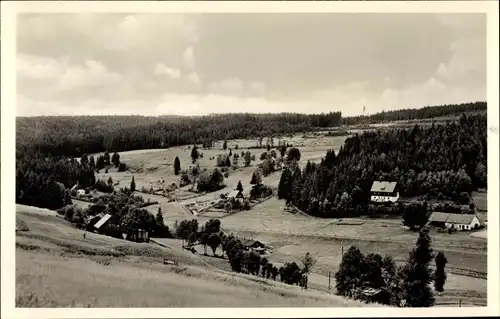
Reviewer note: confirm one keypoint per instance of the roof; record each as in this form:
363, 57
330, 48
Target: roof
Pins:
460, 218
452, 218
102, 221
386, 187
250, 242
438, 217
234, 193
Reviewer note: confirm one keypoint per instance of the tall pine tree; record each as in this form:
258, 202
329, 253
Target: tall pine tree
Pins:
132, 184
177, 165
417, 274
440, 273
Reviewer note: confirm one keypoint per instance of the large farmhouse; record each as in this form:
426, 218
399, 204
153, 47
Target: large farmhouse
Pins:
384, 192
454, 221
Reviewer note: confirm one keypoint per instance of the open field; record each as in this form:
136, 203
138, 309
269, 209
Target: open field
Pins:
56, 267
150, 167
292, 236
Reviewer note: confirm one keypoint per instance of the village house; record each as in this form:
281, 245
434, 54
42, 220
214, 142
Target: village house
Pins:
108, 225
384, 192
455, 221
254, 245
236, 195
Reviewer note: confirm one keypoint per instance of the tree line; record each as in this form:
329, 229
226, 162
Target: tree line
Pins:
73, 136
76, 135
445, 162
417, 114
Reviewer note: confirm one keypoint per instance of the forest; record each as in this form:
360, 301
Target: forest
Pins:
417, 114
445, 162
77, 135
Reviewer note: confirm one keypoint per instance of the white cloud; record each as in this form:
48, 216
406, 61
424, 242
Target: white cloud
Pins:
60, 75
162, 69
188, 58
228, 86
194, 78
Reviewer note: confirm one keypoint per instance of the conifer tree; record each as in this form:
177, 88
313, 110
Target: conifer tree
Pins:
440, 273
132, 184
417, 274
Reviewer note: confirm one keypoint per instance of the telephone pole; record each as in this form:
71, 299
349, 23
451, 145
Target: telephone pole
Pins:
329, 280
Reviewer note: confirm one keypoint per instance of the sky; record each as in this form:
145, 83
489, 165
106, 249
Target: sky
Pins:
194, 64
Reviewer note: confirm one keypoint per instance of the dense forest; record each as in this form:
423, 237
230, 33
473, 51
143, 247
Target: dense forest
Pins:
417, 114
73, 136
450, 159
445, 161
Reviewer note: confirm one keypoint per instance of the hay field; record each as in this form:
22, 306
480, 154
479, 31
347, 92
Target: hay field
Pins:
56, 267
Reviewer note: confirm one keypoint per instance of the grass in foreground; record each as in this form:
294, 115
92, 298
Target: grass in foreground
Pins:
56, 267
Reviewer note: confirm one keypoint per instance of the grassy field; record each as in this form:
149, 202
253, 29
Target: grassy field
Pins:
294, 235
151, 167
57, 267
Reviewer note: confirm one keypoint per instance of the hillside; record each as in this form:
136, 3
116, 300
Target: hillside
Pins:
57, 267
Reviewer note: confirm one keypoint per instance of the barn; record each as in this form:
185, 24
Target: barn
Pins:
438, 219
455, 221
382, 192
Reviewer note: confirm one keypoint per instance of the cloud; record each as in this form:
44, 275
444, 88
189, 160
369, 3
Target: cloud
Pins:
60, 75
259, 62
194, 78
162, 69
188, 58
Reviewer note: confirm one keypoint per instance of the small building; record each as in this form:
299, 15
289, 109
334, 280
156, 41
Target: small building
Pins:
108, 225
237, 195
254, 245
102, 221
80, 193
463, 221
455, 221
140, 235
382, 192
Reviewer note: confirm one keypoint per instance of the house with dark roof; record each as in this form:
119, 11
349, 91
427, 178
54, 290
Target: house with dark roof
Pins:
254, 245
455, 221
382, 192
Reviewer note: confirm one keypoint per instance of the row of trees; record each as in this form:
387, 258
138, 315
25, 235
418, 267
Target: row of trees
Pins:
407, 285
416, 114
441, 161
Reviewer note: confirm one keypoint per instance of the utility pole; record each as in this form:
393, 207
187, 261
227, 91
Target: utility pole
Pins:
460, 302
329, 280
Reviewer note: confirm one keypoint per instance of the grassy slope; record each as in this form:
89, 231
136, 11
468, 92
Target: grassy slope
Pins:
57, 267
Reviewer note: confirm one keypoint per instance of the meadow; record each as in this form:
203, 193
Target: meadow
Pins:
57, 267
290, 236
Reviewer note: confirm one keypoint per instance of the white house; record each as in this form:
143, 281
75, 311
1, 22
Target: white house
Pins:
80, 192
455, 221
384, 192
